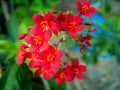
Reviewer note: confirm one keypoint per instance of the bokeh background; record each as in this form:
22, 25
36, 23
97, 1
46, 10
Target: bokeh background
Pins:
102, 59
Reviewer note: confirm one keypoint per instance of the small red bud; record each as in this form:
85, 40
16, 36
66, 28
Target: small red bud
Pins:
23, 46
67, 55
66, 64
90, 36
21, 36
88, 44
81, 50
88, 23
29, 27
92, 29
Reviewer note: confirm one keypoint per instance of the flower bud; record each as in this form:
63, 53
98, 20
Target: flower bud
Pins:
23, 46
92, 29
22, 36
88, 23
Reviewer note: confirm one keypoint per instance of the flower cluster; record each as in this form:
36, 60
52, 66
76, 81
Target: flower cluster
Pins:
45, 54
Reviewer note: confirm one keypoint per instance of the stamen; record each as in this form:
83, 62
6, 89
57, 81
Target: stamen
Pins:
84, 8
37, 40
50, 57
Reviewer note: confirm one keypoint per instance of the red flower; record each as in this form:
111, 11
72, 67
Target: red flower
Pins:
85, 8
45, 72
39, 41
71, 25
34, 59
22, 55
64, 74
78, 69
60, 19
44, 23
51, 57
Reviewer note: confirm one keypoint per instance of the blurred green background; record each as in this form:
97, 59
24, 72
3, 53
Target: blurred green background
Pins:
102, 59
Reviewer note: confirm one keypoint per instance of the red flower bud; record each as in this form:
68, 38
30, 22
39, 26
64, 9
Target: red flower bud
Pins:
29, 27
81, 50
88, 23
23, 46
88, 44
92, 29
22, 36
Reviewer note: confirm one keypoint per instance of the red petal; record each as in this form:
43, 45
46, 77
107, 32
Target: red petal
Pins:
58, 54
48, 16
82, 68
69, 78
46, 75
46, 65
90, 12
36, 30
37, 18
29, 39
33, 63
80, 76
44, 46
78, 19
20, 61
78, 4
38, 72
56, 64
51, 71
79, 28
65, 26
59, 81
69, 17
54, 27
73, 34
34, 49
75, 62
86, 2
47, 35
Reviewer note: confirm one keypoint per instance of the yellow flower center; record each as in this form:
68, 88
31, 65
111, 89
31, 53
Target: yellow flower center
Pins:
21, 54
37, 40
34, 55
76, 70
43, 70
50, 57
72, 26
44, 25
62, 75
85, 8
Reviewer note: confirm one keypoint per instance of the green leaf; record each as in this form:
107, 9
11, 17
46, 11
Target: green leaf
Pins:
22, 29
54, 86
5, 46
7, 80
12, 29
106, 46
107, 6
118, 25
52, 3
105, 26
